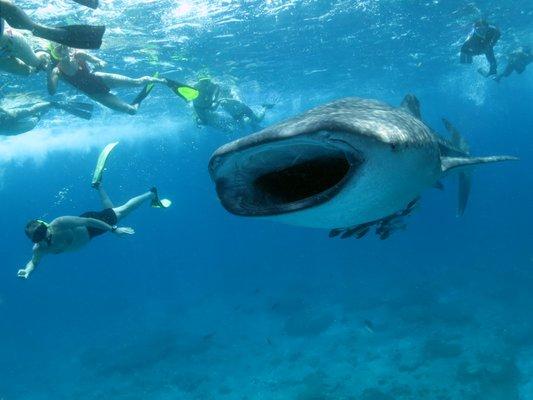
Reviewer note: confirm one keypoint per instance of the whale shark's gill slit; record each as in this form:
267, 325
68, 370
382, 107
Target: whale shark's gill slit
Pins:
303, 179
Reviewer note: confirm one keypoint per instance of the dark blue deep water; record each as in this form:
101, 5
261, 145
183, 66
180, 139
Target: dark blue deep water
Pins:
200, 304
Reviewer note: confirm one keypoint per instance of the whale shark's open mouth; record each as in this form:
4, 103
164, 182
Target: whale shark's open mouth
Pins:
284, 176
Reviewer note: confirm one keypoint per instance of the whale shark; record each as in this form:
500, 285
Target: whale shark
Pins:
349, 166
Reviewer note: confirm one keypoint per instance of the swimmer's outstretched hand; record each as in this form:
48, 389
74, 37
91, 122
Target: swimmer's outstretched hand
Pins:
125, 230
100, 64
23, 273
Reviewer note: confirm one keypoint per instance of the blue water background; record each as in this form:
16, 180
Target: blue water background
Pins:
200, 304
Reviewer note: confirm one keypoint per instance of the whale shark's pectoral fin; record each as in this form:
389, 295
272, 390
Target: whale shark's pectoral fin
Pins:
449, 163
465, 182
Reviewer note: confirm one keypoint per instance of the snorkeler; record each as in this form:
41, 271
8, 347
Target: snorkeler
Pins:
24, 119
70, 233
517, 61
17, 55
72, 66
77, 36
481, 41
210, 99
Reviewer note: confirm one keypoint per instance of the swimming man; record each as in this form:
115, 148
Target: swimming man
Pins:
481, 41
71, 233
517, 61
210, 99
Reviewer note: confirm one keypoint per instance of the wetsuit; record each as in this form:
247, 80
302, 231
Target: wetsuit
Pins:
477, 44
108, 216
84, 80
207, 101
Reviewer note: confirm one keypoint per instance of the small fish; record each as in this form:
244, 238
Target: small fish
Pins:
369, 326
208, 337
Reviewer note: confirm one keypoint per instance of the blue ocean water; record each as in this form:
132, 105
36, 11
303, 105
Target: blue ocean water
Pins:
200, 304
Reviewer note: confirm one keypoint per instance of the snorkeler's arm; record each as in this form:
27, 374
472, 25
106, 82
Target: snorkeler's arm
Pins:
30, 266
76, 222
97, 62
53, 78
495, 36
31, 111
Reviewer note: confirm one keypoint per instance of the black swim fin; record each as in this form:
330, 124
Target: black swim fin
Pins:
76, 36
186, 92
159, 203
80, 110
88, 3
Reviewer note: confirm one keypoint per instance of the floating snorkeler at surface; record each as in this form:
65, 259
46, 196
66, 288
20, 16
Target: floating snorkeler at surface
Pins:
71, 233
17, 55
77, 36
517, 62
220, 110
72, 66
481, 41
23, 119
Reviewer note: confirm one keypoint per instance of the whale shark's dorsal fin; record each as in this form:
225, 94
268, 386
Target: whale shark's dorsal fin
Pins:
411, 104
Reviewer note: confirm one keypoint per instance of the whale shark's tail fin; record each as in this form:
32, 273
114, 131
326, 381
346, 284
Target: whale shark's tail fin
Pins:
465, 174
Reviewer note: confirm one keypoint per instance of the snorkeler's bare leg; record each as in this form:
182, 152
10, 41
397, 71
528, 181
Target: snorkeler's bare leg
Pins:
18, 19
508, 71
125, 209
14, 66
115, 103
116, 80
36, 110
22, 50
492, 61
104, 198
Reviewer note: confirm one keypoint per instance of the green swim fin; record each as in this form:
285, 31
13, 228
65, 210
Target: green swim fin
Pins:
88, 3
80, 110
76, 36
159, 203
186, 92
143, 94
101, 163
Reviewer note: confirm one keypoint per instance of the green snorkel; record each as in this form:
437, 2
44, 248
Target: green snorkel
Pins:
53, 52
